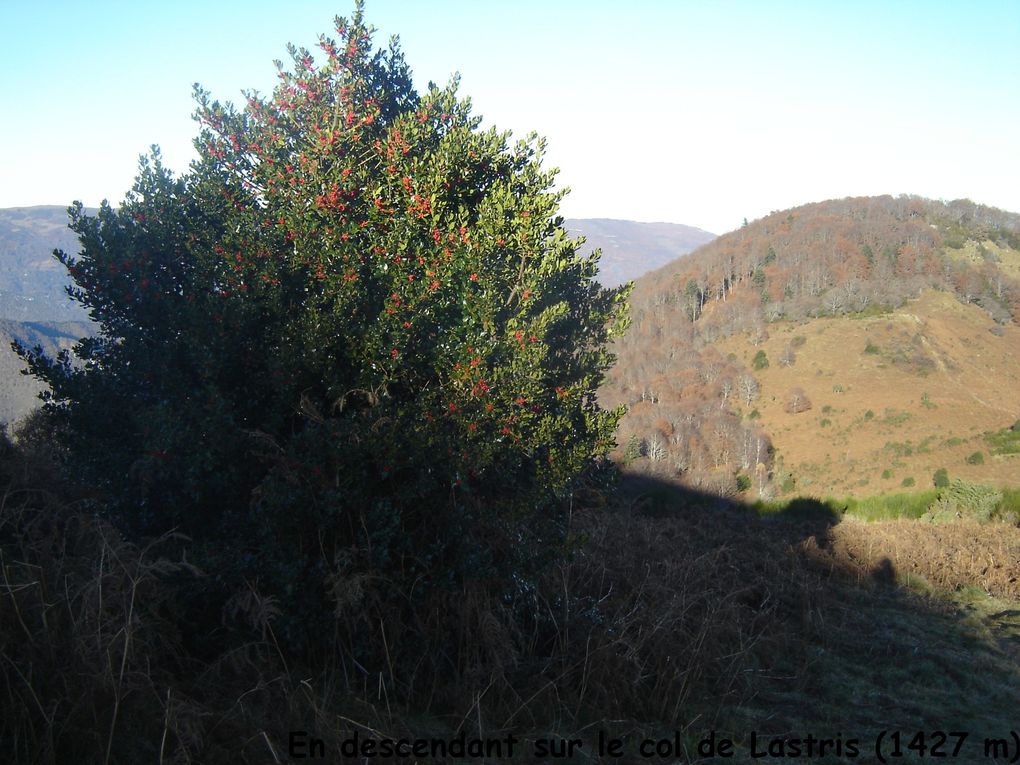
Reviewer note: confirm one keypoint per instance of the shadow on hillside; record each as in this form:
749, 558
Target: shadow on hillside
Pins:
683, 612
846, 643
799, 520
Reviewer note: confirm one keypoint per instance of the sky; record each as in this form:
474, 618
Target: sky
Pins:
701, 113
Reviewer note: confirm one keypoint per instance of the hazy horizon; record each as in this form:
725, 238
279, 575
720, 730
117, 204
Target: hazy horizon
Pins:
678, 112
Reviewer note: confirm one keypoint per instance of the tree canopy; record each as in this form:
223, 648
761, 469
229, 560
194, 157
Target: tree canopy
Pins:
353, 343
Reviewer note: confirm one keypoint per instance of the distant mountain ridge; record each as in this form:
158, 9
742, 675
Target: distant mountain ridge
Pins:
631, 249
34, 307
32, 282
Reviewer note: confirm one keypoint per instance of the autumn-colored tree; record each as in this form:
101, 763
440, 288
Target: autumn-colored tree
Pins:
797, 401
353, 344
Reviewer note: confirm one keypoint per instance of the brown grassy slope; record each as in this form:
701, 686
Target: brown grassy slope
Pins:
938, 380
684, 376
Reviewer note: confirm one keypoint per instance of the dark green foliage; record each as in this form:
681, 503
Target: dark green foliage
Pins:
907, 482
760, 361
633, 450
977, 458
352, 353
887, 474
941, 478
743, 482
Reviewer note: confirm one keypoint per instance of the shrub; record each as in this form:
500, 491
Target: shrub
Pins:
907, 482
887, 474
633, 450
760, 360
1005, 441
977, 458
352, 348
871, 348
743, 482
962, 499
941, 478
869, 415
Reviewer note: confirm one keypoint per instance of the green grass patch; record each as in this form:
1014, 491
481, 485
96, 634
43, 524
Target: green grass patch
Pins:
897, 449
887, 507
894, 418
1005, 441
1010, 503
872, 311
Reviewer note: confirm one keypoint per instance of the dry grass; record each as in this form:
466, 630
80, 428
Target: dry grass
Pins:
948, 556
698, 617
939, 380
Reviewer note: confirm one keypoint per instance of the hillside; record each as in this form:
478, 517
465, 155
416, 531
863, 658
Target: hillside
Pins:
894, 397
852, 346
20, 393
31, 280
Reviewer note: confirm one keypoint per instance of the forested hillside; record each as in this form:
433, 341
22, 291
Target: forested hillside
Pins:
692, 398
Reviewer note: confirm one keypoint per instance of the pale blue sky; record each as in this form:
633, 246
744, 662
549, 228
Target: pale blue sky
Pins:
692, 112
